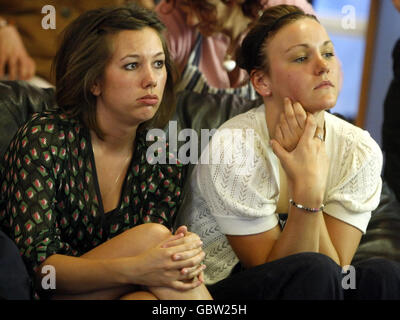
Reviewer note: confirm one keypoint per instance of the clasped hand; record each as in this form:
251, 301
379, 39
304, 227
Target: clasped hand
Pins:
176, 262
301, 153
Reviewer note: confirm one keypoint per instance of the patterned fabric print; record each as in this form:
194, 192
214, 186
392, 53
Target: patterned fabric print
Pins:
49, 195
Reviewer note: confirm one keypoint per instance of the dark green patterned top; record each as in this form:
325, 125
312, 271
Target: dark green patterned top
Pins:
51, 196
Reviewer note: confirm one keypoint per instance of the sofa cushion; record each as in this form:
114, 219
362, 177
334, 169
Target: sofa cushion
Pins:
18, 101
382, 238
208, 111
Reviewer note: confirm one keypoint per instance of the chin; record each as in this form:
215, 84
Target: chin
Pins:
323, 104
147, 113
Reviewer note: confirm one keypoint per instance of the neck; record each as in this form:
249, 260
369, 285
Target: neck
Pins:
236, 25
118, 137
274, 110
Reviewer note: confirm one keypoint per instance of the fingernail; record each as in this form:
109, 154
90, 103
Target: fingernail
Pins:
177, 257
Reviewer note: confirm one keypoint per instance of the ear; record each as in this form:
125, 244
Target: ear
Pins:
95, 89
261, 82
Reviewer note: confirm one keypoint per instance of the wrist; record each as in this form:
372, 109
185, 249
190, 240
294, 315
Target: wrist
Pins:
305, 208
117, 270
308, 197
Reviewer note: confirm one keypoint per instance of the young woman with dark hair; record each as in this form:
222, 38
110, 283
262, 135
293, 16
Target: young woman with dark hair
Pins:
79, 194
281, 219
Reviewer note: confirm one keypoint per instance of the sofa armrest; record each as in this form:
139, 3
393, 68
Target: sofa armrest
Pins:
19, 101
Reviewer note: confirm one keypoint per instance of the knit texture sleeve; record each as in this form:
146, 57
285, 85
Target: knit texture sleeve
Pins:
239, 185
355, 185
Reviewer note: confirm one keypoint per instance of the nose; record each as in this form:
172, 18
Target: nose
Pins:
149, 80
321, 66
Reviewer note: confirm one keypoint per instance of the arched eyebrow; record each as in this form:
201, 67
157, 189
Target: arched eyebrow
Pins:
305, 45
161, 53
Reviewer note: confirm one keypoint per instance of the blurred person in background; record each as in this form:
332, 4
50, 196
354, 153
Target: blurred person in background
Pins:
26, 48
204, 35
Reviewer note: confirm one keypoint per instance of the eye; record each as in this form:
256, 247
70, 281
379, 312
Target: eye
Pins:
328, 55
300, 59
131, 66
159, 64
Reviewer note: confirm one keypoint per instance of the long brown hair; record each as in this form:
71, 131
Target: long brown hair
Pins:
84, 53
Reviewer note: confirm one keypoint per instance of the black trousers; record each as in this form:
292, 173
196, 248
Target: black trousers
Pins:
311, 276
15, 283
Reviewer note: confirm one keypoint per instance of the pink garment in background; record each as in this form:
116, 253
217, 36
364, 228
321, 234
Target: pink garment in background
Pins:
181, 39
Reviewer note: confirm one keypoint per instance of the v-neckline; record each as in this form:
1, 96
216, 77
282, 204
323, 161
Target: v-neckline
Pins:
96, 180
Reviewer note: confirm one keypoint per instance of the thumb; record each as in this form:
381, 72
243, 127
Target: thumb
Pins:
168, 242
181, 229
279, 151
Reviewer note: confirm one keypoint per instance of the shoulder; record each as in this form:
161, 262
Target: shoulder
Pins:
354, 182
253, 118
351, 141
237, 173
50, 122
44, 132
246, 132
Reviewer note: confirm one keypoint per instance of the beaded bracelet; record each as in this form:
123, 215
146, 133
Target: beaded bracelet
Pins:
299, 206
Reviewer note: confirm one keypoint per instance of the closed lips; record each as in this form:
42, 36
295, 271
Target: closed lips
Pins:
149, 99
323, 84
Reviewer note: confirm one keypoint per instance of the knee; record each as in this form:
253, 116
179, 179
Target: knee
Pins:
139, 295
324, 277
321, 270
155, 232
320, 264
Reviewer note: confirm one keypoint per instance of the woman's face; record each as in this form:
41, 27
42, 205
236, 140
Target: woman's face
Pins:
133, 82
206, 21
303, 65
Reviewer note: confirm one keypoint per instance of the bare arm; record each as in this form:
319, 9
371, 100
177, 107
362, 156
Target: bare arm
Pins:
316, 232
154, 266
338, 240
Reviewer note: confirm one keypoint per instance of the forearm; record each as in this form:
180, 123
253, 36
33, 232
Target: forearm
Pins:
78, 275
325, 243
304, 232
301, 234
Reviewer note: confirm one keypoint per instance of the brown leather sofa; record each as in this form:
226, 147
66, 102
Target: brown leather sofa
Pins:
18, 100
